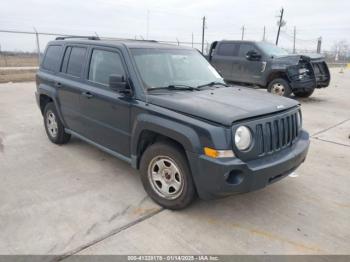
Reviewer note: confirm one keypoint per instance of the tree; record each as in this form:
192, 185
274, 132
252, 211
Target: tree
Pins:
341, 50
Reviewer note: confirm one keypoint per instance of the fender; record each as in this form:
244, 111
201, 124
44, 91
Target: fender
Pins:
44, 89
276, 71
181, 133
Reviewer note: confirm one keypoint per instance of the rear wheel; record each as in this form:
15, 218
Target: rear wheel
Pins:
279, 86
53, 125
303, 92
166, 176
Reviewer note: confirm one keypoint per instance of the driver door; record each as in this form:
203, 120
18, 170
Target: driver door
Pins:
250, 71
105, 112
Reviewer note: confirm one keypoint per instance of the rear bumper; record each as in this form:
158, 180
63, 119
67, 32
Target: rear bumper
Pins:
222, 177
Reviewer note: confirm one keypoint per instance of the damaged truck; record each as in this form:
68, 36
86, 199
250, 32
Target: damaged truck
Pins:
267, 66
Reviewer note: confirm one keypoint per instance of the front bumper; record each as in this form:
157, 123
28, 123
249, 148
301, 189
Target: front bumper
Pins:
222, 177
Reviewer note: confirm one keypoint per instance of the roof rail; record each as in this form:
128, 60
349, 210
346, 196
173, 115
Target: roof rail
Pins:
72, 37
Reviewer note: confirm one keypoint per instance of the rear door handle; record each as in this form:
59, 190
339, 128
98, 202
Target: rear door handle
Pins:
88, 95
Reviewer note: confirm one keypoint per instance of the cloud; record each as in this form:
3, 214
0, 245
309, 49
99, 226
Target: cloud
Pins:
176, 19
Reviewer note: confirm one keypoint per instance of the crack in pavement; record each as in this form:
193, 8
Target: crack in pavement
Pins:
108, 235
329, 128
328, 141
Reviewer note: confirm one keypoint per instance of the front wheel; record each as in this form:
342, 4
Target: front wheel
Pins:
166, 176
303, 93
280, 87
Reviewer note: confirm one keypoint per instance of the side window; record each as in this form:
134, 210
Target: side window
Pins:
228, 49
245, 48
52, 58
73, 61
65, 59
103, 64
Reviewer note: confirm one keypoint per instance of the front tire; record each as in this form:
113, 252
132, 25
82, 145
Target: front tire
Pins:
166, 176
53, 125
279, 86
303, 93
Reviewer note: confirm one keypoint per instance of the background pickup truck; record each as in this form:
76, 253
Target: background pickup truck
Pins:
268, 66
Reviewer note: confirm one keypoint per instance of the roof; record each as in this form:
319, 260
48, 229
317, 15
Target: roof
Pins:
118, 42
238, 41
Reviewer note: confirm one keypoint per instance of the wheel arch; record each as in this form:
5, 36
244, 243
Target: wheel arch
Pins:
49, 94
150, 129
277, 74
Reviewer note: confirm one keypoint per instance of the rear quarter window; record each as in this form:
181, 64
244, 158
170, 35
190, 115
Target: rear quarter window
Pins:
52, 58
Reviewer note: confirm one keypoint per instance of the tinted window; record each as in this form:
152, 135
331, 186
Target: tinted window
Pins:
76, 61
164, 67
52, 58
228, 49
245, 48
65, 59
103, 64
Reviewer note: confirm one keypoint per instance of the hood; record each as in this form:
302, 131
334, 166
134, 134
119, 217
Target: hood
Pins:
294, 59
223, 105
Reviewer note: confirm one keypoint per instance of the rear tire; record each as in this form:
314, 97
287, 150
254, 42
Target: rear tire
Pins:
303, 93
166, 176
53, 125
279, 86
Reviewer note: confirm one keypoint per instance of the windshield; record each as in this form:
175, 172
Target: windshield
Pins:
172, 67
271, 49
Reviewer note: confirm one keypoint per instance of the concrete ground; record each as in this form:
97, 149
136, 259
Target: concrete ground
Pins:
75, 199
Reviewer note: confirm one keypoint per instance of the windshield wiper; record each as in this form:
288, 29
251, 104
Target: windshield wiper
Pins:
173, 87
213, 84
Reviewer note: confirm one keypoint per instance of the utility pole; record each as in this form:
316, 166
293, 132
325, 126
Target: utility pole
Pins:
192, 39
147, 32
243, 28
264, 34
203, 29
279, 25
294, 37
37, 44
319, 44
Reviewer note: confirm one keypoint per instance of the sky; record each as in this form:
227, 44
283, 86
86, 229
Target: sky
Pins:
176, 20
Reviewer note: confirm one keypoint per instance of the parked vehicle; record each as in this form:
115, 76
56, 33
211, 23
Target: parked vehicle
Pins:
268, 66
166, 111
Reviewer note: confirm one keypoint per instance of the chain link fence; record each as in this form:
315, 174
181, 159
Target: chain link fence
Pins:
35, 43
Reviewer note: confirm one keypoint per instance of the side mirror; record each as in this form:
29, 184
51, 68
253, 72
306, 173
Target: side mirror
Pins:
253, 56
118, 83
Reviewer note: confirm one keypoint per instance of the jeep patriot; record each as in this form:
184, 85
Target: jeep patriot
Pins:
166, 111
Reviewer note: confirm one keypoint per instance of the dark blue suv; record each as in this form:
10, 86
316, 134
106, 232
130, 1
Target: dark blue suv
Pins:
166, 111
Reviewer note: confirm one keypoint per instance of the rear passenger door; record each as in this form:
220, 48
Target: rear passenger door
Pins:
224, 60
105, 112
69, 84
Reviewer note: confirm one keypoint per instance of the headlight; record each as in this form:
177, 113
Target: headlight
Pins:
243, 138
302, 71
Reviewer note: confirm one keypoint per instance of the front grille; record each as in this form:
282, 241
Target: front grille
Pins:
271, 134
274, 135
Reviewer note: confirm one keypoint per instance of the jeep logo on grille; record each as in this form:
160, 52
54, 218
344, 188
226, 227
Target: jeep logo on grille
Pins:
280, 106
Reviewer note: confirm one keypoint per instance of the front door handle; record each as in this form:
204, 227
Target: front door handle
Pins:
58, 84
88, 95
